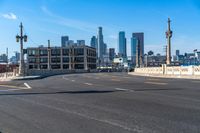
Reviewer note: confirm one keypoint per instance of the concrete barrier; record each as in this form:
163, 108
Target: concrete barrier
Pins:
55, 72
7, 76
170, 70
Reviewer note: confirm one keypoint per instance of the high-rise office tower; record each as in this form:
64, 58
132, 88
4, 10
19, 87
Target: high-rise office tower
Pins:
64, 41
111, 53
100, 42
122, 44
80, 42
104, 49
134, 43
93, 42
177, 52
139, 48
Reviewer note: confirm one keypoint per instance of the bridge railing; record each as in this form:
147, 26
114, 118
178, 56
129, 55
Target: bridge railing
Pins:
8, 75
170, 70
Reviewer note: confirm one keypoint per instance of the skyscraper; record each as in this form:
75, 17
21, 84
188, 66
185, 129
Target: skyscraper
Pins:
93, 42
80, 42
111, 53
177, 52
134, 43
139, 48
104, 49
100, 46
64, 41
122, 44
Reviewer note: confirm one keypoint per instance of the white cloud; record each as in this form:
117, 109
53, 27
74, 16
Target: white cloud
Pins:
73, 23
10, 16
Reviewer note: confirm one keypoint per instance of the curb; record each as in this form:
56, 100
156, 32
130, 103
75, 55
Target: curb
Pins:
27, 78
166, 76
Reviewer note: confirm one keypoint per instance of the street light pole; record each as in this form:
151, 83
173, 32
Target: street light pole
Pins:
21, 38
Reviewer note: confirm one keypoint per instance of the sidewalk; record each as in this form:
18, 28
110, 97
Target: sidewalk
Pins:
20, 78
166, 76
27, 78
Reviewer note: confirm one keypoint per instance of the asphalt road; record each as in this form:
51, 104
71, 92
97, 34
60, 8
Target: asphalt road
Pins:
100, 103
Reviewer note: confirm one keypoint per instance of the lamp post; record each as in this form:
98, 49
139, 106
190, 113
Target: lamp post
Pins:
169, 36
21, 38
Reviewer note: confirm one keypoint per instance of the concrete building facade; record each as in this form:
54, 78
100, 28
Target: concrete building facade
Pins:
61, 58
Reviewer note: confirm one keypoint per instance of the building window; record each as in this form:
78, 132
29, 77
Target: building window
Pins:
66, 59
78, 51
43, 66
79, 59
65, 66
43, 60
30, 66
79, 66
91, 60
32, 52
32, 60
43, 52
33, 66
92, 66
55, 60
55, 52
66, 52
55, 66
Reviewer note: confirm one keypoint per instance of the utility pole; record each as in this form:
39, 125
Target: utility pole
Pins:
21, 38
169, 36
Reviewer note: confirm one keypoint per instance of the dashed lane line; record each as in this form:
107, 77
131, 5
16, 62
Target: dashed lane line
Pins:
156, 83
88, 84
115, 80
120, 89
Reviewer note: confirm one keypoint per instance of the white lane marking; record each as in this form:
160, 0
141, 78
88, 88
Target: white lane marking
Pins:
153, 79
127, 77
115, 80
15, 88
86, 116
28, 86
88, 84
65, 78
156, 83
120, 89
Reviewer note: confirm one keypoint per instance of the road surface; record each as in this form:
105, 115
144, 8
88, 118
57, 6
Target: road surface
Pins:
100, 103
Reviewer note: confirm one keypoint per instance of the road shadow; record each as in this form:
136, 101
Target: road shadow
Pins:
60, 92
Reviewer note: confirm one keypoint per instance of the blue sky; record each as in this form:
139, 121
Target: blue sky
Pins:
49, 19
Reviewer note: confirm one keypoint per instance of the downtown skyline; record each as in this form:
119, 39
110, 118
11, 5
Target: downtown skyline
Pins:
51, 22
